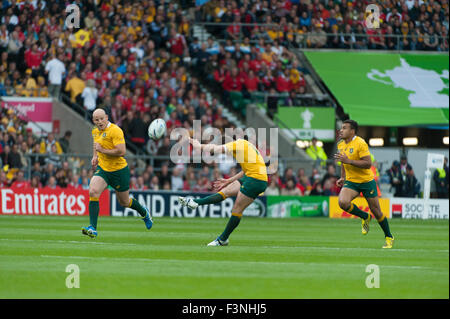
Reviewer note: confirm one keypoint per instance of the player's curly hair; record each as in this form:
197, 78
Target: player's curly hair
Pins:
353, 125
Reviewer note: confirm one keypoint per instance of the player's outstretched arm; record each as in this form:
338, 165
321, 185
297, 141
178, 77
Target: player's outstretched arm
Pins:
209, 148
221, 183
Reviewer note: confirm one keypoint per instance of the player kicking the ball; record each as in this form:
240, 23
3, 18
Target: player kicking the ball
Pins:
247, 185
112, 169
356, 178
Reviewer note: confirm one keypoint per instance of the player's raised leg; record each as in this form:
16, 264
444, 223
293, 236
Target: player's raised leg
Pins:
374, 205
125, 200
346, 196
228, 191
241, 203
96, 188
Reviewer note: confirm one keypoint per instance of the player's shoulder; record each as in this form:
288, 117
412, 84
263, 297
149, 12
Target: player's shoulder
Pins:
360, 140
95, 131
340, 143
115, 127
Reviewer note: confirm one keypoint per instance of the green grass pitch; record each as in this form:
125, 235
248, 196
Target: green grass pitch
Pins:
267, 258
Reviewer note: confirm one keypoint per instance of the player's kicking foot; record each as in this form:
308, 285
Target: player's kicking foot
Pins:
89, 231
189, 202
148, 219
389, 242
218, 242
365, 224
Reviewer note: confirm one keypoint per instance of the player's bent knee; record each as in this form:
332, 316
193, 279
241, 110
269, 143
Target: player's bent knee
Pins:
345, 205
124, 203
95, 193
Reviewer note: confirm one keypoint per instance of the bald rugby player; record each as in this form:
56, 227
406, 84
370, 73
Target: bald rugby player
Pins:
111, 169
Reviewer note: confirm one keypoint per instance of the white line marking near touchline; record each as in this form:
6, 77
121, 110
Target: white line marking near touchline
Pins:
67, 241
165, 261
354, 248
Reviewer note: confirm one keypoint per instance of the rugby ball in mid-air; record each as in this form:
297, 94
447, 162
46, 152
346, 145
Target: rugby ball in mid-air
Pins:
157, 129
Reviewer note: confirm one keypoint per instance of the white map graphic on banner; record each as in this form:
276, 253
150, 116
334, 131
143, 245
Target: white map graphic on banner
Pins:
424, 85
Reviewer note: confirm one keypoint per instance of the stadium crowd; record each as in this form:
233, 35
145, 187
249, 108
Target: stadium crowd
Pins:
420, 25
135, 59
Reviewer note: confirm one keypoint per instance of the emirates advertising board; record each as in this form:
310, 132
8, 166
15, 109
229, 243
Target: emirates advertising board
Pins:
47, 201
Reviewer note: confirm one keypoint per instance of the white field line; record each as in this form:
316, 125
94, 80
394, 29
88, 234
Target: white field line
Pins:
165, 261
93, 242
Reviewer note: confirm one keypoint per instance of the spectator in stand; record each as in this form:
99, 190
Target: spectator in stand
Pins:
4, 182
176, 180
316, 153
288, 175
431, 40
55, 69
14, 160
74, 182
317, 38
53, 157
411, 185
33, 57
61, 180
138, 130
314, 176
441, 180
232, 81
64, 142
35, 155
190, 180
35, 182
19, 181
41, 89
89, 96
46, 144
75, 86
396, 179
330, 174
23, 151
317, 189
52, 184
85, 183
164, 175
290, 189
404, 164
272, 189
154, 183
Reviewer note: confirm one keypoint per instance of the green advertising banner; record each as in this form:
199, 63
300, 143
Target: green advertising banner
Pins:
308, 122
297, 206
380, 89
